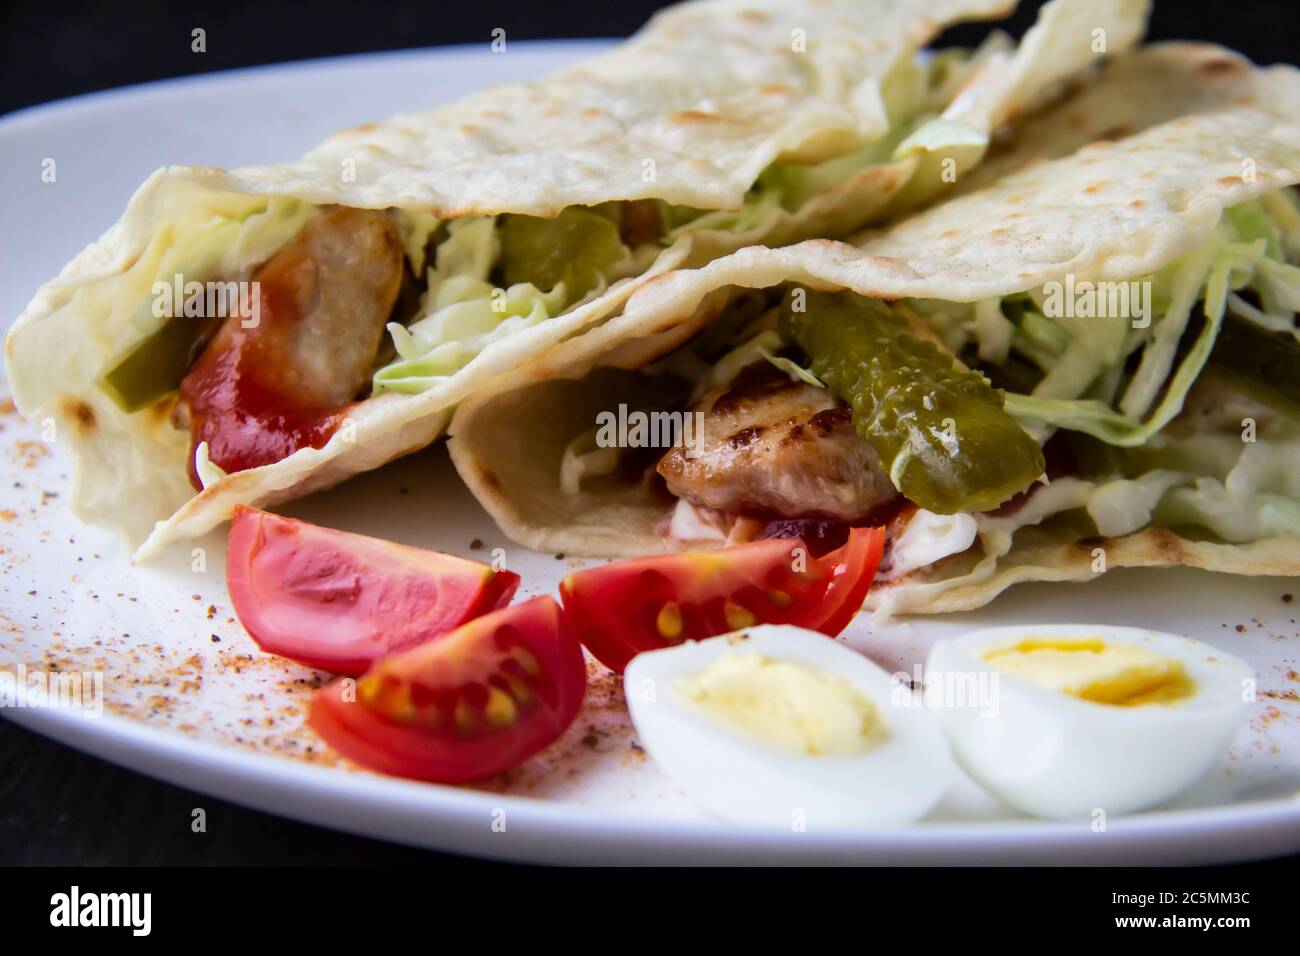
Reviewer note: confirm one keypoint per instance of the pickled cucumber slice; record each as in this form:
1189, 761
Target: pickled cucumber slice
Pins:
155, 367
939, 429
578, 247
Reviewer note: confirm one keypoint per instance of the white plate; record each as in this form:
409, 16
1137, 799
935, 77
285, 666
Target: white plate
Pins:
224, 719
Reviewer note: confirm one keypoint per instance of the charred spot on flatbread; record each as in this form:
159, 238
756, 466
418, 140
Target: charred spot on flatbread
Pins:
81, 415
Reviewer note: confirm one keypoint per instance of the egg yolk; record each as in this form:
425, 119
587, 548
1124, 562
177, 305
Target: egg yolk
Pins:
784, 704
1122, 675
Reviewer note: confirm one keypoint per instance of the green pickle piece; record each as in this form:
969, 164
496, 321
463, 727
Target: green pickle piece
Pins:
940, 430
578, 247
155, 367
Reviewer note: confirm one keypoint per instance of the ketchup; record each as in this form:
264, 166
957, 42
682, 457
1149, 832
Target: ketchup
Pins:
242, 399
823, 535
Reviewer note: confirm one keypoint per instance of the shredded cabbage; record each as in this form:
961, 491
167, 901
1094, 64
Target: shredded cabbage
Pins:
414, 228
209, 472
764, 345
1198, 473
993, 331
260, 235
1256, 495
583, 458
1208, 504
792, 368
1284, 209
912, 92
760, 211
1080, 360
463, 311
1125, 427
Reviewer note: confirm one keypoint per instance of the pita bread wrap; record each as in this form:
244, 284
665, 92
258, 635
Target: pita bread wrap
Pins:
642, 160
1170, 427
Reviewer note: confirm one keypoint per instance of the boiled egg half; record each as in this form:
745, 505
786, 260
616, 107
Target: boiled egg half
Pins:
785, 727
1067, 720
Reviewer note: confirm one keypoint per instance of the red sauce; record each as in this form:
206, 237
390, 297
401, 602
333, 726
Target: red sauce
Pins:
241, 396
823, 535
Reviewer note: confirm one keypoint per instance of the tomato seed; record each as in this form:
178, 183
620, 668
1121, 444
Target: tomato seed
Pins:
669, 621
738, 617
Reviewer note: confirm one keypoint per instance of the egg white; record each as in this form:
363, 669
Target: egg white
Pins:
1054, 755
897, 781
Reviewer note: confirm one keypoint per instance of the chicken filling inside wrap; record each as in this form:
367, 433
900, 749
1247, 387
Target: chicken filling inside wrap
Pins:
956, 421
326, 306
347, 303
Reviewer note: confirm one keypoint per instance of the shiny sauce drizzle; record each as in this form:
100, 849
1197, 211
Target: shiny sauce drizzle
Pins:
285, 375
238, 400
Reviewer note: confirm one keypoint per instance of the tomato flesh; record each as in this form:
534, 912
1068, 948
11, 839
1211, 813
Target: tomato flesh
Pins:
341, 601
621, 609
853, 568
474, 703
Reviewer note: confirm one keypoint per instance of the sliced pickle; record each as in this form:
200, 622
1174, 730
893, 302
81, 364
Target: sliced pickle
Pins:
578, 248
940, 430
155, 367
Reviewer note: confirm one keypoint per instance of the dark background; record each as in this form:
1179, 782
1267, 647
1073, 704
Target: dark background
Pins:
53, 800
50, 50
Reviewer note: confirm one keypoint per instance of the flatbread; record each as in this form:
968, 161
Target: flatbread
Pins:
690, 111
1057, 553
1111, 208
711, 91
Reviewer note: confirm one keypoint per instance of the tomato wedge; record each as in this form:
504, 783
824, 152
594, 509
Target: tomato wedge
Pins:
853, 568
621, 609
341, 601
471, 704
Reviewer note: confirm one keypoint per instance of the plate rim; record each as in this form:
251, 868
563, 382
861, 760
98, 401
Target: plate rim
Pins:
93, 98
167, 754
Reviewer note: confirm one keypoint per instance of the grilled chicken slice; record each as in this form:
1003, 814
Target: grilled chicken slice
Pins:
324, 299
338, 279
771, 444
263, 389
